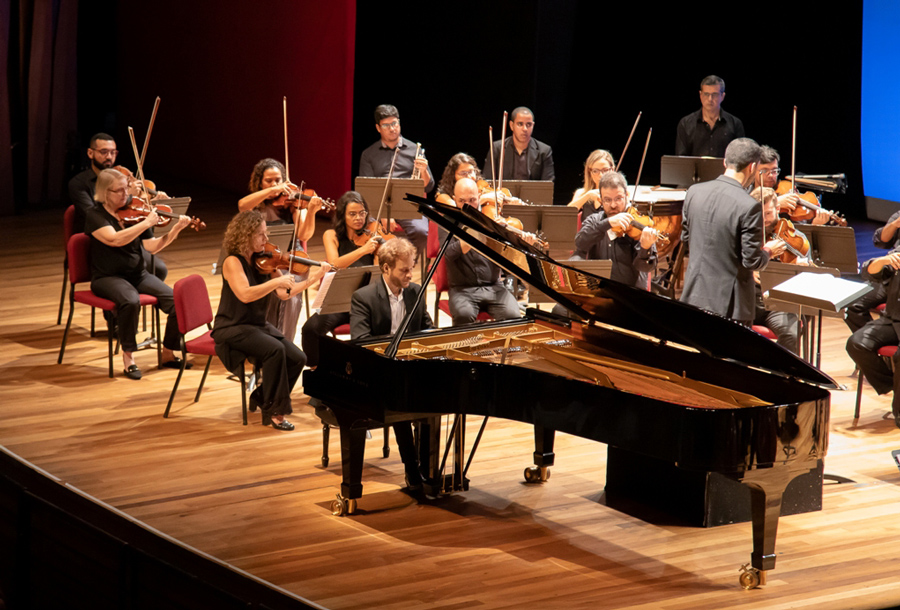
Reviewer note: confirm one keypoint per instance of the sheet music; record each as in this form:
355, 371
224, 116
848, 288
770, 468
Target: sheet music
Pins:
819, 290
323, 290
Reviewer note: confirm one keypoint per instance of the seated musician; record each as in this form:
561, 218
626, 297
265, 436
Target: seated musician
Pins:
458, 167
587, 198
118, 271
602, 236
474, 280
863, 344
269, 192
378, 309
769, 171
346, 245
858, 313
524, 157
102, 154
241, 329
782, 323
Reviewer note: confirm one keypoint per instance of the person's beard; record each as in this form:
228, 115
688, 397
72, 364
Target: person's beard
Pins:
100, 166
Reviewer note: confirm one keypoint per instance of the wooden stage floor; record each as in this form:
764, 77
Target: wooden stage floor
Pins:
260, 500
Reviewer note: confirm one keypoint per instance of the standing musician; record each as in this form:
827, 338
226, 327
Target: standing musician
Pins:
474, 280
587, 198
769, 171
102, 153
458, 167
378, 309
602, 236
782, 323
269, 192
118, 272
707, 132
858, 312
863, 344
526, 158
346, 245
375, 161
723, 227
241, 329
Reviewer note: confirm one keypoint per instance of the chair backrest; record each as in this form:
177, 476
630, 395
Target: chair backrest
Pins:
78, 249
434, 241
68, 223
578, 221
439, 278
192, 306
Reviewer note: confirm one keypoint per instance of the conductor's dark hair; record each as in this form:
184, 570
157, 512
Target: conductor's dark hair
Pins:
741, 153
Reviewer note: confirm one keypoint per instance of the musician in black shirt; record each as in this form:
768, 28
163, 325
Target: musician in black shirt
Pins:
707, 132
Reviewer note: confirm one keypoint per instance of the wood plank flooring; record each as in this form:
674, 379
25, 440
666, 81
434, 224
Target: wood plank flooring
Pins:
259, 499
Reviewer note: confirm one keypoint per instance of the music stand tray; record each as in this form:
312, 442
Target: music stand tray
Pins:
338, 287
280, 235
833, 246
538, 192
372, 189
686, 171
821, 291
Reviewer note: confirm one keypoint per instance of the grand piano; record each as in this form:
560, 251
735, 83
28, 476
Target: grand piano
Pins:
694, 408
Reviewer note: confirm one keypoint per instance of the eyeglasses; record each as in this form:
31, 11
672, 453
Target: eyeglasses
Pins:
106, 152
120, 191
599, 172
710, 96
391, 125
466, 172
771, 172
618, 200
360, 214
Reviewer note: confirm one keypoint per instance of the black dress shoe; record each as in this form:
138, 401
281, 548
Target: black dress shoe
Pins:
414, 480
284, 425
133, 372
176, 364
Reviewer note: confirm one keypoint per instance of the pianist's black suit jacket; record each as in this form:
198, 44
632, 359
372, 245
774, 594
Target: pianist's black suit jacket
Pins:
370, 311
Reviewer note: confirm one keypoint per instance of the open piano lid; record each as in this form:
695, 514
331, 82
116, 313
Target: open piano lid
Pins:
596, 299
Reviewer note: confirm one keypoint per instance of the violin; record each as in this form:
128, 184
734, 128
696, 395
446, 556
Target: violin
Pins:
511, 223
796, 244
138, 209
638, 223
271, 258
807, 206
372, 229
298, 199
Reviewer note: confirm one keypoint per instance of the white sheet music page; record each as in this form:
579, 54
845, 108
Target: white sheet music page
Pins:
323, 290
820, 290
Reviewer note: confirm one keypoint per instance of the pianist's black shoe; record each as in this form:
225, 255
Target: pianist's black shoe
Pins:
414, 480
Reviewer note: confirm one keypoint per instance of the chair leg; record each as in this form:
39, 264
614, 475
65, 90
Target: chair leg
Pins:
93, 311
202, 379
386, 448
155, 314
859, 385
175, 387
326, 435
110, 328
62, 295
62, 348
244, 393
144, 318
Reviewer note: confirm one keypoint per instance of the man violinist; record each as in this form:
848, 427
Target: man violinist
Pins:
102, 154
707, 132
525, 158
769, 171
858, 312
375, 161
603, 236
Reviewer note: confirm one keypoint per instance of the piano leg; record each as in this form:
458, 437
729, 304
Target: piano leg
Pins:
766, 487
353, 446
543, 455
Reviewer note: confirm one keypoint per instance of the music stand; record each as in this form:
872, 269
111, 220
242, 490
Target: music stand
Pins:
559, 224
530, 215
179, 206
538, 192
338, 287
372, 190
817, 290
601, 268
833, 246
280, 235
686, 171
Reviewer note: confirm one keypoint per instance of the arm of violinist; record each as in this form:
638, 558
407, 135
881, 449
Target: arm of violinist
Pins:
330, 240
873, 269
116, 239
582, 196
787, 202
254, 200
298, 288
822, 217
754, 255
591, 231
884, 238
645, 253
234, 274
306, 219
156, 244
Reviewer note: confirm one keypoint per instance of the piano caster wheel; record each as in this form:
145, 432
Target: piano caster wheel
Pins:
537, 474
751, 578
342, 506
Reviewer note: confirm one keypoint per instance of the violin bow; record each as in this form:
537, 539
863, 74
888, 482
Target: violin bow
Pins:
491, 148
622, 156
794, 152
140, 163
149, 131
499, 184
387, 183
637, 182
287, 163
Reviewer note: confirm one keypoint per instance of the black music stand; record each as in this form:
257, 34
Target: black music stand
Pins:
686, 171
280, 235
538, 192
833, 246
818, 290
338, 286
179, 206
372, 190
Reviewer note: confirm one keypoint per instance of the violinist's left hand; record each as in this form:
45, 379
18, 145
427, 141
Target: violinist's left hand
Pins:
183, 221
160, 195
822, 217
649, 236
787, 202
314, 204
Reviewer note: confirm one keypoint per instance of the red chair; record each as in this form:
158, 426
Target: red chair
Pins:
68, 231
887, 352
765, 331
193, 310
78, 251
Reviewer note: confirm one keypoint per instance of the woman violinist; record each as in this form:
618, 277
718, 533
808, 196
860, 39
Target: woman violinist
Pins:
269, 193
587, 198
118, 270
241, 328
458, 167
351, 243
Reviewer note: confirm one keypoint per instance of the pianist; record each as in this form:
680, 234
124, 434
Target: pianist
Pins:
378, 309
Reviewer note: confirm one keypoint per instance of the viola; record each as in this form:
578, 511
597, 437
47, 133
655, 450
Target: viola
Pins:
513, 224
271, 258
796, 244
299, 199
138, 209
372, 229
640, 222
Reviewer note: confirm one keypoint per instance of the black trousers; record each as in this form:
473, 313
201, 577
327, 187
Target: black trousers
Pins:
858, 314
125, 294
862, 346
319, 325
